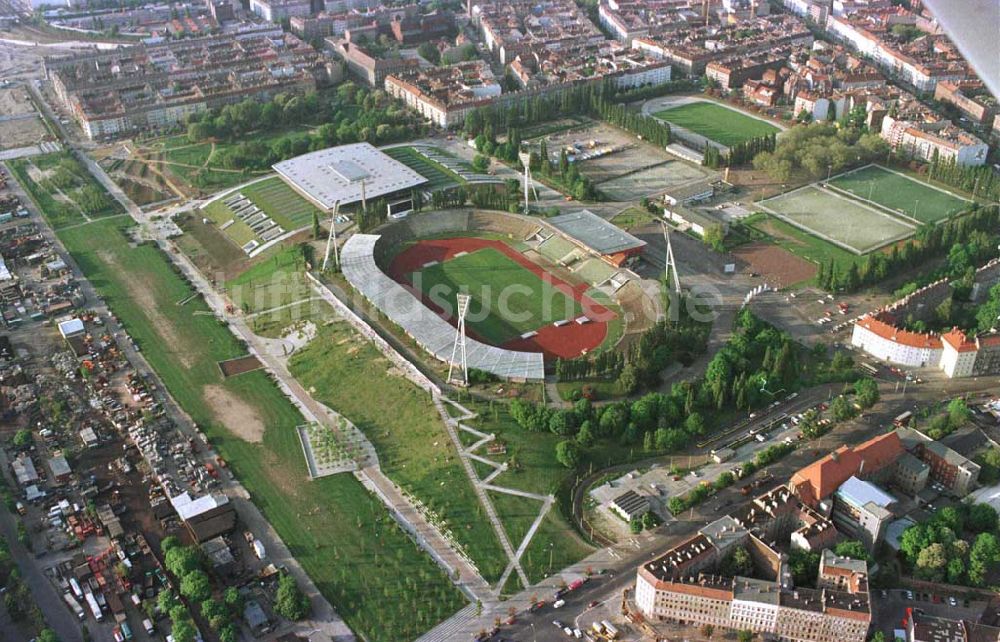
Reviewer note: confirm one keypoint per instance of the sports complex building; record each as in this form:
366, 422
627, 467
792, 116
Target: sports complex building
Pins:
540, 289
349, 174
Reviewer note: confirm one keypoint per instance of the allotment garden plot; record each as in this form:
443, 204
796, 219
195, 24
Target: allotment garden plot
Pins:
901, 194
838, 219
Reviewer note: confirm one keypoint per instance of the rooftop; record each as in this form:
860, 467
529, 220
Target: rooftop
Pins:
594, 232
860, 493
820, 479
346, 174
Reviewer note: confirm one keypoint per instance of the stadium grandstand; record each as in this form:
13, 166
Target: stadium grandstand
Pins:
422, 324
591, 232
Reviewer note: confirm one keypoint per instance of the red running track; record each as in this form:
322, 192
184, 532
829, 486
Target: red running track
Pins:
566, 342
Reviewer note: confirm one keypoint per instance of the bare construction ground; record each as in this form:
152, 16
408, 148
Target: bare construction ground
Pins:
20, 125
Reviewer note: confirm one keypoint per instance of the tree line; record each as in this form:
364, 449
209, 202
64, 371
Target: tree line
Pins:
351, 114
820, 149
966, 242
741, 153
979, 180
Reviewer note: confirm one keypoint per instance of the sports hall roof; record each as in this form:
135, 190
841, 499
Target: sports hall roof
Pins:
593, 231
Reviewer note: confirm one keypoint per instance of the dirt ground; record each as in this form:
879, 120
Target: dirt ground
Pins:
233, 367
14, 101
26, 128
236, 416
777, 265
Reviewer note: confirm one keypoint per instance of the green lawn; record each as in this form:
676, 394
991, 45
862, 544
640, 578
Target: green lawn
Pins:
282, 203
534, 469
379, 581
68, 194
901, 193
349, 374
437, 174
493, 278
809, 247
715, 122
277, 284
634, 217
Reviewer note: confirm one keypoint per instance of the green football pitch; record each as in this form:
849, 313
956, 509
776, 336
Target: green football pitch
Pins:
508, 299
900, 193
715, 122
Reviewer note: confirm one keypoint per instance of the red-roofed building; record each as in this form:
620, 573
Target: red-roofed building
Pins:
889, 343
964, 356
874, 458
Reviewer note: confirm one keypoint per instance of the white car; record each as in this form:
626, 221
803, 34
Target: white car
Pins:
558, 604
952, 601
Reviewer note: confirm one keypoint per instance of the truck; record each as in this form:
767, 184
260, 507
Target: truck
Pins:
258, 549
575, 584
148, 625
95, 608
74, 606
609, 630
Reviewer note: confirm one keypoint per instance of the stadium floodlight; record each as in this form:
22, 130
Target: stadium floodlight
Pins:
463, 308
670, 269
332, 238
525, 158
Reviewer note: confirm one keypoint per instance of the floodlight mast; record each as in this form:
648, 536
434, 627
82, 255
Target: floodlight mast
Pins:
459, 346
331, 240
670, 269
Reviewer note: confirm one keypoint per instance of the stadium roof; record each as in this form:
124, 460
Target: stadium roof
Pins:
338, 173
433, 333
593, 231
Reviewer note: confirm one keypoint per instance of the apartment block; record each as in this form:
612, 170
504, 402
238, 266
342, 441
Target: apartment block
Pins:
154, 86
278, 10
971, 98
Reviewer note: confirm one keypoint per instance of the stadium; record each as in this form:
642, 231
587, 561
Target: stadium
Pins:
540, 289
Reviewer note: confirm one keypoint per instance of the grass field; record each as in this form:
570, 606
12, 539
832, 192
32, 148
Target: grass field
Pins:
275, 198
507, 298
349, 374
438, 175
279, 201
63, 189
276, 293
838, 219
536, 471
715, 122
901, 193
379, 581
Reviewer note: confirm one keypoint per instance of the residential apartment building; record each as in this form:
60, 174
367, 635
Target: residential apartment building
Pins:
872, 460
925, 140
885, 341
922, 63
278, 10
926, 628
363, 65
971, 98
154, 86
950, 469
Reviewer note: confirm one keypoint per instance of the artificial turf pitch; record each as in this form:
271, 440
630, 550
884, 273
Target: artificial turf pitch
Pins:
508, 299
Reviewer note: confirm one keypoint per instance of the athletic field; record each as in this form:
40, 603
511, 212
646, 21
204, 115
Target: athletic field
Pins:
715, 122
837, 218
900, 193
508, 299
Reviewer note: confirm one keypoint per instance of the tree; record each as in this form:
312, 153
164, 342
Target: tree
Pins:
707, 630
182, 631
47, 635
430, 53
181, 560
290, 602
842, 409
804, 566
216, 613
958, 413
931, 562
715, 237
981, 518
877, 636
866, 392
635, 525
744, 636
481, 163
22, 439
983, 556
568, 453
233, 599
738, 562
853, 549
316, 232
196, 586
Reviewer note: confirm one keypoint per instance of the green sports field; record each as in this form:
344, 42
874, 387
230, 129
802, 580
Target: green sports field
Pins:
507, 298
900, 193
715, 122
